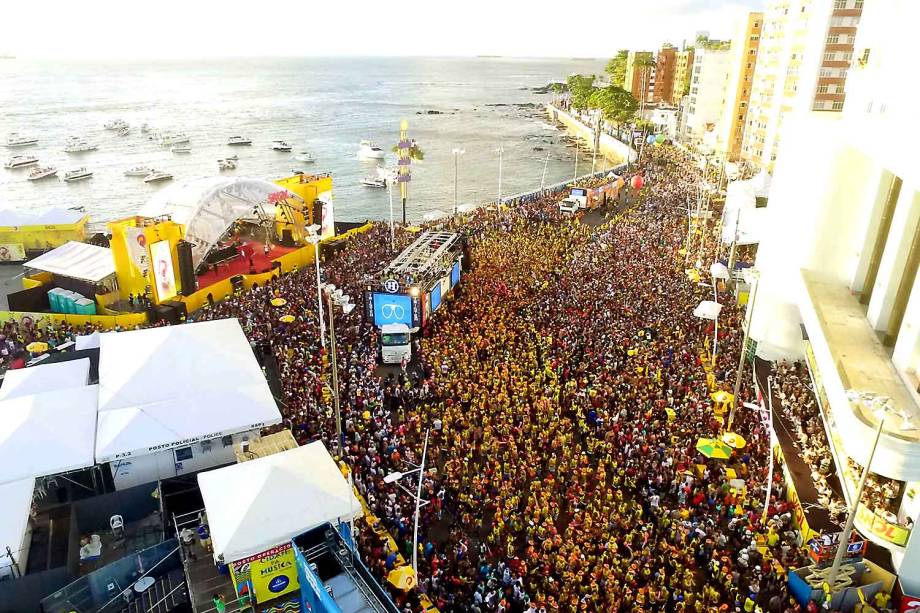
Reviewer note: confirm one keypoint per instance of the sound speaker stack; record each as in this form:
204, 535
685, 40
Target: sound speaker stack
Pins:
187, 280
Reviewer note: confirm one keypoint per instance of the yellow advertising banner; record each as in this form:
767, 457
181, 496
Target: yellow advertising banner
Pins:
867, 521
12, 252
272, 572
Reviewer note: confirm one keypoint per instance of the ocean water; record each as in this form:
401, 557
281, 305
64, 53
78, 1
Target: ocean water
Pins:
322, 105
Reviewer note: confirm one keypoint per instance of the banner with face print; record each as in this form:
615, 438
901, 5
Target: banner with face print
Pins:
161, 257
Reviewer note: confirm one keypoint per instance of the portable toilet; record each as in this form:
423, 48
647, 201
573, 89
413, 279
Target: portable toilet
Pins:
67, 301
85, 306
54, 299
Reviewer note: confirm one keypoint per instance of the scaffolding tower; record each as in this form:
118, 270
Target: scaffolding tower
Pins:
430, 253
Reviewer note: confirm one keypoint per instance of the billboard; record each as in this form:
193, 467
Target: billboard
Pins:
271, 573
327, 223
392, 309
161, 255
455, 274
435, 297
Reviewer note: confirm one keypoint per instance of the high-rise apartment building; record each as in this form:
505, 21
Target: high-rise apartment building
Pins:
744, 47
839, 284
711, 66
683, 67
802, 65
640, 75
665, 65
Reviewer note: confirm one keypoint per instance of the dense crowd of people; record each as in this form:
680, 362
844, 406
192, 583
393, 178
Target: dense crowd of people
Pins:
564, 392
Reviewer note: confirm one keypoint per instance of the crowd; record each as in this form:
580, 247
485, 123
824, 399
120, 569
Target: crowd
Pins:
564, 393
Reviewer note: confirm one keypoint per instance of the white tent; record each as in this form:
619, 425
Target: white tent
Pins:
707, 309
77, 261
208, 206
46, 434
164, 387
265, 502
45, 378
15, 504
88, 341
53, 216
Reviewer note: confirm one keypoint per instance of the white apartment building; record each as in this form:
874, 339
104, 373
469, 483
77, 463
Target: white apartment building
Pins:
711, 68
839, 261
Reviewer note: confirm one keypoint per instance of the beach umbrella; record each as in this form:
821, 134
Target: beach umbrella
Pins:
722, 396
735, 441
693, 274
37, 347
402, 578
707, 309
286, 319
278, 302
713, 448
637, 182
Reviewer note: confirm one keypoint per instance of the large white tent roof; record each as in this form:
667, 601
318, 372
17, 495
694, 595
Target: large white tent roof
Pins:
260, 504
45, 378
48, 433
165, 387
15, 504
77, 261
208, 206
53, 216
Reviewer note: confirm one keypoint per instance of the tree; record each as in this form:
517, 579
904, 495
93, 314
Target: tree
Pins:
615, 103
580, 87
616, 67
415, 152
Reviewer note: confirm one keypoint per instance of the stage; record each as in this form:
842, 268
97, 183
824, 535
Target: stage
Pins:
241, 266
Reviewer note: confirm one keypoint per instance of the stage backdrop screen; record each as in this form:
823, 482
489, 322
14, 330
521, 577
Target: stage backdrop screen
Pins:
435, 297
161, 257
392, 309
455, 274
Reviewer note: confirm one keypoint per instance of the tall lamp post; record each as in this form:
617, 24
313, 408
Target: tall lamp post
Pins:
394, 477
753, 277
882, 407
543, 176
335, 299
314, 238
457, 153
718, 271
500, 151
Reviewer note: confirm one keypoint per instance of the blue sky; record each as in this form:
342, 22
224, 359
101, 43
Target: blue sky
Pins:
208, 28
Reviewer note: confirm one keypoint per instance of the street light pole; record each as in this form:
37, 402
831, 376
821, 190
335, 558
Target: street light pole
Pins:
315, 239
575, 178
392, 232
457, 153
755, 281
335, 378
854, 505
543, 177
418, 504
500, 150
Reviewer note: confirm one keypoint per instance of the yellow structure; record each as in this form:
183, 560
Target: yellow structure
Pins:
132, 239
295, 216
683, 68
18, 239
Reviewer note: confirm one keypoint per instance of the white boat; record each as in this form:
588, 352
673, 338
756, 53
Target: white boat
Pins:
145, 128
124, 131
181, 149
370, 151
115, 124
14, 139
174, 138
227, 164
305, 156
79, 145
21, 161
77, 174
157, 175
280, 145
233, 157
239, 140
138, 171
43, 172
374, 182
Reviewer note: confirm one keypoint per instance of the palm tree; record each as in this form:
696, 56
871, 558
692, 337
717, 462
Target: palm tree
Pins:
415, 152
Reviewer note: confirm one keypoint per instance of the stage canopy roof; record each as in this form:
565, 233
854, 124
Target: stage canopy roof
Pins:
15, 504
77, 261
45, 378
260, 504
48, 217
48, 433
208, 207
166, 387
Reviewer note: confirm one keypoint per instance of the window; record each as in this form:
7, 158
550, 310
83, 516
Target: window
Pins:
832, 39
840, 4
838, 106
822, 89
847, 56
824, 72
183, 453
858, 4
829, 56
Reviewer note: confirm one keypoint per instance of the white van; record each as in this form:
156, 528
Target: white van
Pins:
395, 343
577, 199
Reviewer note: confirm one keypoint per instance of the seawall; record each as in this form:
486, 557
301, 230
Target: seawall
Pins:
609, 147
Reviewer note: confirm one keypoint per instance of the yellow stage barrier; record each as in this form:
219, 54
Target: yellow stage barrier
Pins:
106, 322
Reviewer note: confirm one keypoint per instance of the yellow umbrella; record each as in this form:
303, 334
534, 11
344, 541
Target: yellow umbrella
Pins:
722, 396
37, 347
403, 578
734, 440
278, 302
713, 448
286, 319
413, 229
671, 413
693, 274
